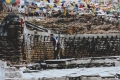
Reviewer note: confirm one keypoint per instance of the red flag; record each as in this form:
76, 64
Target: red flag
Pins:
18, 1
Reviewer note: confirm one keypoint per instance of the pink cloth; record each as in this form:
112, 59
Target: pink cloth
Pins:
18, 1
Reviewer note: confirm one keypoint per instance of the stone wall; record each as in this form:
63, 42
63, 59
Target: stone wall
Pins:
32, 45
92, 45
11, 40
73, 46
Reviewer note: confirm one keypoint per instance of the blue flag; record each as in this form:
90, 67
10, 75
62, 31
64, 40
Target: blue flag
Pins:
3, 0
55, 5
48, 1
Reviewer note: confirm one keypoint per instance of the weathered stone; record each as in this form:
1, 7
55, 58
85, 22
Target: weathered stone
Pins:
9, 69
14, 74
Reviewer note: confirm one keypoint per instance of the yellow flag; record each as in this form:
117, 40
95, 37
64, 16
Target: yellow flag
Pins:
37, 8
93, 9
84, 0
85, 5
88, 1
8, 1
58, 3
93, 14
50, 6
45, 0
98, 1
64, 12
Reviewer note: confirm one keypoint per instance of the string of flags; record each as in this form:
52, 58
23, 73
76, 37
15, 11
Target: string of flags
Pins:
74, 5
11, 1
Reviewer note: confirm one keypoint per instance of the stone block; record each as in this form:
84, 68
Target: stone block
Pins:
94, 78
109, 79
9, 69
14, 74
60, 78
13, 79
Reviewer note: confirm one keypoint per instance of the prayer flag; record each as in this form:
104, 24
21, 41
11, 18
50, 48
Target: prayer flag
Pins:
18, 1
48, 1
58, 3
55, 5
7, 1
12, 1
84, 0
64, 12
45, 0
3, 0
85, 5
50, 6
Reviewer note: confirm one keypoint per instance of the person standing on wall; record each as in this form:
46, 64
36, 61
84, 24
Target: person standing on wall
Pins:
53, 40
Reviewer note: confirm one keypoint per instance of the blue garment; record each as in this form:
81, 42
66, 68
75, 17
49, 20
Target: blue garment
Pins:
53, 39
58, 45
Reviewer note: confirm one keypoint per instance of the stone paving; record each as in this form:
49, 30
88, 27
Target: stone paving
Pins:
92, 73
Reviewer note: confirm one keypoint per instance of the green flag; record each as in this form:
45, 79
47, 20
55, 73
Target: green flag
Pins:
12, 1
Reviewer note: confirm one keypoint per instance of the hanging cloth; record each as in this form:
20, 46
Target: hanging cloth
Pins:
58, 3
50, 5
64, 12
85, 6
7, 1
32, 3
80, 5
48, 1
3, 0
12, 1
55, 5
18, 1
44, 0
88, 1
84, 0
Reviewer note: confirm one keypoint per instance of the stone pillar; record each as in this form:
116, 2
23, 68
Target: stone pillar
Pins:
2, 70
20, 40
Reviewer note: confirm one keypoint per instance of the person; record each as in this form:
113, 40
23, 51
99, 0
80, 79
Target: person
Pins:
58, 54
53, 40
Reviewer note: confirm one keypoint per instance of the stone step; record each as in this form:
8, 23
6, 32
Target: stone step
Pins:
9, 69
14, 74
13, 79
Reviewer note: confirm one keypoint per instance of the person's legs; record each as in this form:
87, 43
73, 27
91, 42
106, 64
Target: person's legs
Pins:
57, 53
54, 53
